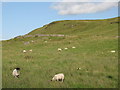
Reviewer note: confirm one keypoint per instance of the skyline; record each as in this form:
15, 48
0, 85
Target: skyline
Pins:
20, 18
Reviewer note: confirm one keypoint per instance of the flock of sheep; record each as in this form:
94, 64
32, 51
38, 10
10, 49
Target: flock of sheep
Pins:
57, 77
24, 51
59, 49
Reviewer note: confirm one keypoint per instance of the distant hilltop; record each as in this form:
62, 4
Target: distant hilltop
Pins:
70, 27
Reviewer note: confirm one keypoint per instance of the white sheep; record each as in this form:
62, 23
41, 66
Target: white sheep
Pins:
65, 48
45, 41
32, 41
30, 50
113, 51
16, 72
24, 51
58, 77
73, 47
59, 49
78, 68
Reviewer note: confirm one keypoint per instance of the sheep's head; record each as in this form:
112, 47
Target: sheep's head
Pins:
17, 68
53, 79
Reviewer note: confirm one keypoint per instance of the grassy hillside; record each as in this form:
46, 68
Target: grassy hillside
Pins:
94, 40
76, 27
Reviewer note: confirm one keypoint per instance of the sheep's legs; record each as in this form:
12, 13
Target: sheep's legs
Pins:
16, 76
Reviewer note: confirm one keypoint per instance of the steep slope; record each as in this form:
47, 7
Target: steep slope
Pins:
70, 27
94, 40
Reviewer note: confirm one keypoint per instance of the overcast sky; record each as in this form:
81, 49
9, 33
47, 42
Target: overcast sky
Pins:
20, 18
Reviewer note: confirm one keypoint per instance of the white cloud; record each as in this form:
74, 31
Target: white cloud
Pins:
69, 8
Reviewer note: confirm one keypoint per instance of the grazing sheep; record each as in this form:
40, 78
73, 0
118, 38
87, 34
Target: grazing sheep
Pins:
78, 68
58, 77
45, 41
65, 48
59, 49
73, 47
24, 51
30, 50
16, 73
32, 41
113, 51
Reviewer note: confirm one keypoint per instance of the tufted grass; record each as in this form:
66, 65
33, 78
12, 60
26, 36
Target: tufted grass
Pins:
99, 67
